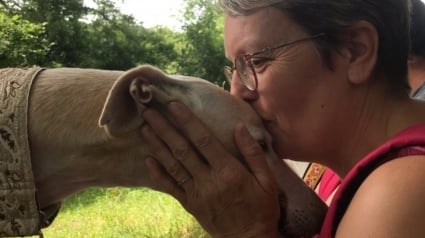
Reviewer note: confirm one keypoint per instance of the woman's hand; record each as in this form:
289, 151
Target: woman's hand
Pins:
227, 198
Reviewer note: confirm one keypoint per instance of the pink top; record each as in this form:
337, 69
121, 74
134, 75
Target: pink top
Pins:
328, 183
410, 141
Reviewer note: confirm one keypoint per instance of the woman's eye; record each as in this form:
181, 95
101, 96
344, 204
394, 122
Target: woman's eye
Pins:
257, 63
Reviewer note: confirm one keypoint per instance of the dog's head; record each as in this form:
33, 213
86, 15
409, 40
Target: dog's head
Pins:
147, 86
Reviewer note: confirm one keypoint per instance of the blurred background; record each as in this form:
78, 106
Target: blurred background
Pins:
179, 36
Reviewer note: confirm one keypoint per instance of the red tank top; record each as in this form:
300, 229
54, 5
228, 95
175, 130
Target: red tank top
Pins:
410, 141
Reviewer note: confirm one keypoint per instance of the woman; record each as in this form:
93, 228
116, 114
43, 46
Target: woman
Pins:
325, 181
329, 79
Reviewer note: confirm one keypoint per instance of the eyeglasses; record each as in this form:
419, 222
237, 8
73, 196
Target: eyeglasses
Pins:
245, 68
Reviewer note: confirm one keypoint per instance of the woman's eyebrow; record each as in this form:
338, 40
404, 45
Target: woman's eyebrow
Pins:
251, 47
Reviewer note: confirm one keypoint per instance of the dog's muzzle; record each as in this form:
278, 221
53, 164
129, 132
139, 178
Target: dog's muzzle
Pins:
19, 212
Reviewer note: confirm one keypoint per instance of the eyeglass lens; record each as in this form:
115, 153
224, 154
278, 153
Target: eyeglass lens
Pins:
246, 72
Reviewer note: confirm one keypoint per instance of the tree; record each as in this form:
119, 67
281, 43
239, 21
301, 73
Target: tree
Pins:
115, 41
62, 26
110, 38
67, 33
203, 52
100, 37
22, 42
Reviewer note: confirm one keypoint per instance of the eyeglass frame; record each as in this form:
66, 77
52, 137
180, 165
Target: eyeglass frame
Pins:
228, 70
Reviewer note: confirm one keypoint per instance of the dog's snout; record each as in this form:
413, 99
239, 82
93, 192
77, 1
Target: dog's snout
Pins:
261, 136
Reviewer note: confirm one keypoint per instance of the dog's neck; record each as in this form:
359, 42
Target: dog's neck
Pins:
114, 165
69, 151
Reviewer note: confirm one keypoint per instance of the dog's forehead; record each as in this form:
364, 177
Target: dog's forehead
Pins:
188, 78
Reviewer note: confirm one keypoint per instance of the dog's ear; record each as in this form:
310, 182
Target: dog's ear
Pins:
122, 111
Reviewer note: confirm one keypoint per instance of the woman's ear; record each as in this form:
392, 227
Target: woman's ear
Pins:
361, 43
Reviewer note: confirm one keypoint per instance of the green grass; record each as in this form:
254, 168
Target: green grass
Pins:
123, 212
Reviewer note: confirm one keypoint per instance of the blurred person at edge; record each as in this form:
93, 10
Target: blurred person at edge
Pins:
416, 60
329, 79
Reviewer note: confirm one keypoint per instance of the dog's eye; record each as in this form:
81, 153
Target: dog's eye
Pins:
263, 145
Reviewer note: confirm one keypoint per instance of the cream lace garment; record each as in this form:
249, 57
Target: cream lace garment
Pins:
19, 214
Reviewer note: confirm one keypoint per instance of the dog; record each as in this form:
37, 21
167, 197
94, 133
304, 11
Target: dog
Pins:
83, 131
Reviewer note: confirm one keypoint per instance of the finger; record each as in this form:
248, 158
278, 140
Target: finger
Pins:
173, 167
253, 156
162, 181
174, 144
199, 135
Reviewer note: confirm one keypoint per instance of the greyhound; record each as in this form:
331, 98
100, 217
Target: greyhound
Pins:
83, 132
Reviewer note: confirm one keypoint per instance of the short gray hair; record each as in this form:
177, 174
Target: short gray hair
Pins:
389, 17
245, 7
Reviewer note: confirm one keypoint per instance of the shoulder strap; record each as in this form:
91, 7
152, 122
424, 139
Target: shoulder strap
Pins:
411, 137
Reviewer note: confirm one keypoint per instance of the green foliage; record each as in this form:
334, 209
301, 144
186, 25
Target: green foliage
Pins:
67, 33
123, 212
22, 42
204, 50
112, 40
115, 41
63, 28
102, 37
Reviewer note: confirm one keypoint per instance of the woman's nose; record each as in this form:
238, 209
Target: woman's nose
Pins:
238, 89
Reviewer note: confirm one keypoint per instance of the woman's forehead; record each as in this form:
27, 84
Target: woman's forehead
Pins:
265, 27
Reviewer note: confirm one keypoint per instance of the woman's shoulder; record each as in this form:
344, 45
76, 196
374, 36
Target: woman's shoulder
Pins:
389, 203
396, 176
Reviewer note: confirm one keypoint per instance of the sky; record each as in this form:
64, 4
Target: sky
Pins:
152, 12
